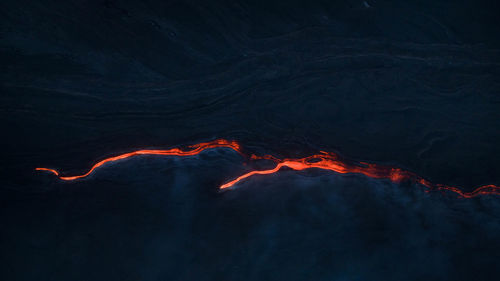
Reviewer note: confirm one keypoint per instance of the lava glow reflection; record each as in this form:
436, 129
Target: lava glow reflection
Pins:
323, 160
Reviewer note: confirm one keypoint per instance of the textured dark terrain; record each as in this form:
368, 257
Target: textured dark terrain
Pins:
412, 84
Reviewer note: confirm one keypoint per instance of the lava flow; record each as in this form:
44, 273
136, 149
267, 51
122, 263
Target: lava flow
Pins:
330, 161
323, 160
193, 150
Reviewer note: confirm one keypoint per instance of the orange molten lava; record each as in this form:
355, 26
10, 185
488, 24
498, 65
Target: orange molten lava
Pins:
193, 150
330, 161
323, 160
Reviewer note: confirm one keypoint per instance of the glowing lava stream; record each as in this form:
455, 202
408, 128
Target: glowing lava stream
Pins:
194, 150
323, 160
330, 161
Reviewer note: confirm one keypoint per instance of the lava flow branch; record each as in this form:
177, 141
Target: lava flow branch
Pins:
330, 161
323, 160
192, 150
